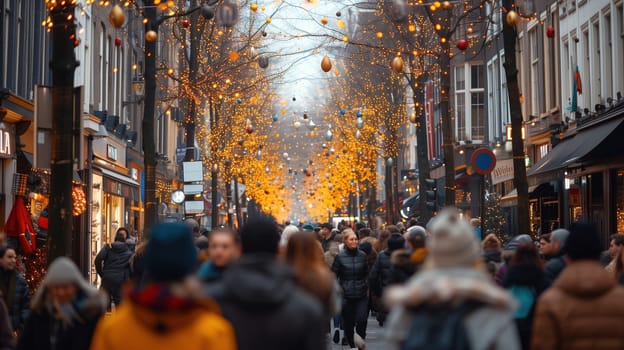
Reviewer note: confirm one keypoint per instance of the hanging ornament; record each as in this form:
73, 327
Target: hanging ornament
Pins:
550, 32
324, 20
326, 64
207, 12
446, 5
398, 64
117, 41
390, 161
285, 155
358, 134
397, 10
117, 17
151, 36
338, 14
462, 44
311, 125
259, 155
512, 18
342, 112
227, 14
340, 24
359, 123
329, 135
412, 118
275, 118
294, 98
249, 128
297, 124
239, 101
305, 115
253, 7
359, 114
263, 61
186, 23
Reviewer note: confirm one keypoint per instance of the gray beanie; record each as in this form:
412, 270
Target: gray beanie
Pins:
517, 241
63, 271
452, 242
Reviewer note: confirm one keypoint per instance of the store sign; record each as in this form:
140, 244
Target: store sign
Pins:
503, 171
6, 143
575, 197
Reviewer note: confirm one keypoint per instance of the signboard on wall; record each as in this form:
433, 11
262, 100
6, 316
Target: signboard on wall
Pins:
193, 171
503, 171
575, 197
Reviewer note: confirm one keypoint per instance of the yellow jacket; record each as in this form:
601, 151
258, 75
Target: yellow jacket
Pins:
135, 327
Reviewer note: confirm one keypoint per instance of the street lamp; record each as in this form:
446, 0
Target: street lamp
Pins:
138, 86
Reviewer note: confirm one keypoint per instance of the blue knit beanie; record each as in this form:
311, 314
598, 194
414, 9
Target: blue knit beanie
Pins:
170, 254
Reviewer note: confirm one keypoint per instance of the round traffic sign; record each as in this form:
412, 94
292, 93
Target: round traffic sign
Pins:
483, 161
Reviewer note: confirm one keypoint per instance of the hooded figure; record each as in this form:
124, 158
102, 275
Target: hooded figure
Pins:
258, 295
64, 311
168, 312
452, 279
113, 266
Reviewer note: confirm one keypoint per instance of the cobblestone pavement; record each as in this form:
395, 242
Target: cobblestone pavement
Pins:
373, 338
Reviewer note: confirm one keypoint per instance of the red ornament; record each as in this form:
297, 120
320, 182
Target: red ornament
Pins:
117, 41
186, 23
249, 129
462, 44
550, 32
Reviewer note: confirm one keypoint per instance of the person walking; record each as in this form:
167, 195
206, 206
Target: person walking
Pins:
351, 270
14, 289
305, 254
258, 295
381, 275
169, 311
557, 263
65, 311
452, 302
112, 264
223, 249
584, 308
525, 281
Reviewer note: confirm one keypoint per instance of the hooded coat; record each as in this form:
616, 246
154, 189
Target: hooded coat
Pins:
113, 264
72, 327
258, 295
582, 310
136, 326
490, 327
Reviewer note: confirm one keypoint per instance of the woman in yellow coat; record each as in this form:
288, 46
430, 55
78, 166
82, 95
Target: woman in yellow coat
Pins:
168, 312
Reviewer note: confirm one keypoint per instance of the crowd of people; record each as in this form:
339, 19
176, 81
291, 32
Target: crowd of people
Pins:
267, 286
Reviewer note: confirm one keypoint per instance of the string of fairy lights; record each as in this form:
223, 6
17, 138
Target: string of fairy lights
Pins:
240, 126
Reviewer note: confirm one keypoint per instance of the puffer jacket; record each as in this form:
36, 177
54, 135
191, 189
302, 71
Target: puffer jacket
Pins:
381, 274
352, 272
113, 263
582, 310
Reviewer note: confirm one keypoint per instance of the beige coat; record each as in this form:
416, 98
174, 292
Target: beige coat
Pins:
584, 309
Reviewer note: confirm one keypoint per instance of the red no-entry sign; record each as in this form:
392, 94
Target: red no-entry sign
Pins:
483, 161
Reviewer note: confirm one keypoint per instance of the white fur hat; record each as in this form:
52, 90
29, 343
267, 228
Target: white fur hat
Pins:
452, 242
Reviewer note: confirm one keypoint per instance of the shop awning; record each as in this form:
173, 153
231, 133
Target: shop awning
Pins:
120, 185
572, 149
122, 178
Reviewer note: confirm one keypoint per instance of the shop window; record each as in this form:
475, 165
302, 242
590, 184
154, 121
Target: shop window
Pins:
619, 200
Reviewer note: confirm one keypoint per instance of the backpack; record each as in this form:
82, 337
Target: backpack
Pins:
440, 327
525, 296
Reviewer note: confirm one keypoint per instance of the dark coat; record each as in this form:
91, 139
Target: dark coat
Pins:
113, 263
7, 341
352, 272
41, 328
553, 268
258, 296
16, 297
381, 274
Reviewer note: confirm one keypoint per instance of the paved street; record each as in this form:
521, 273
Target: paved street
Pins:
373, 337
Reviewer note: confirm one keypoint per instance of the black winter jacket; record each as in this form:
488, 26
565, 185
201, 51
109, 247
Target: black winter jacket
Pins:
553, 268
352, 273
113, 264
16, 297
258, 296
381, 274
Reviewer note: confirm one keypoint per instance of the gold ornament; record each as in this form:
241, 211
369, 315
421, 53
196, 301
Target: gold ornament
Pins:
512, 18
398, 64
412, 118
326, 64
117, 16
324, 20
254, 7
151, 36
446, 5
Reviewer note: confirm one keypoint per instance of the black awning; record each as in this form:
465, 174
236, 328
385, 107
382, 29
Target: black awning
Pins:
572, 149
